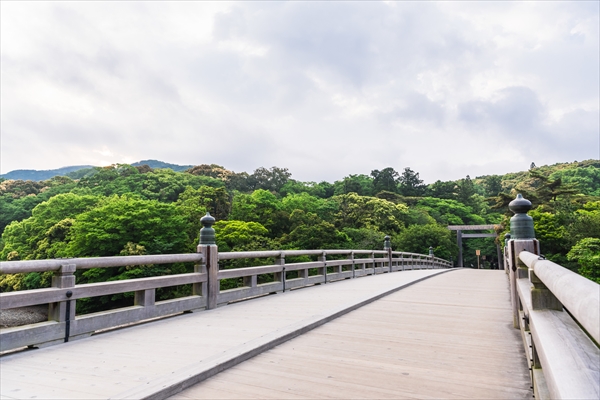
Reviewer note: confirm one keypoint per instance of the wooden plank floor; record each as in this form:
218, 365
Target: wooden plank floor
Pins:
141, 361
450, 336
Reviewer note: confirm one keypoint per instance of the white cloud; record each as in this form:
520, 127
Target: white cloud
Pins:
323, 88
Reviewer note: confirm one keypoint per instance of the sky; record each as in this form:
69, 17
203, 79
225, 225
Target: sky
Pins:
325, 89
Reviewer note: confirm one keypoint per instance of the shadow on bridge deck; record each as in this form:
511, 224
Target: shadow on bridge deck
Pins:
450, 336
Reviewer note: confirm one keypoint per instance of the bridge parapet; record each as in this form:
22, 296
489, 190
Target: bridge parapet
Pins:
558, 313
63, 325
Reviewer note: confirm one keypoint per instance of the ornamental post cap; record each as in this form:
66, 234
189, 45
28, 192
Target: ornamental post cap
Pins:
520, 205
208, 220
207, 233
521, 224
387, 244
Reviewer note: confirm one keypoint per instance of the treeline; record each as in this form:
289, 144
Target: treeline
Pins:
122, 209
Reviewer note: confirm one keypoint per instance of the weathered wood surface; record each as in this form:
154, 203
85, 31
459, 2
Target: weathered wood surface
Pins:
447, 337
140, 361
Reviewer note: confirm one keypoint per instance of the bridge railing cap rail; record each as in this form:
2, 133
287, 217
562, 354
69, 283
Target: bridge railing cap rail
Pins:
23, 266
577, 294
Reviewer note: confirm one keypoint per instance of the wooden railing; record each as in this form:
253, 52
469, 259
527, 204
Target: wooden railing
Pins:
558, 314
64, 324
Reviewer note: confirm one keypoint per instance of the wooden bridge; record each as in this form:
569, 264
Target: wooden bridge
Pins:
410, 327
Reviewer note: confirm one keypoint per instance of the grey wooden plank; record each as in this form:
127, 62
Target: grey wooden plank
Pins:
128, 360
426, 341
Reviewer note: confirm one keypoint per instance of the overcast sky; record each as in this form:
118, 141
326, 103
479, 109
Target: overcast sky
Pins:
326, 89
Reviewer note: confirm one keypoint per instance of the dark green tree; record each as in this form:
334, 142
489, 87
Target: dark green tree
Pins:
385, 180
410, 184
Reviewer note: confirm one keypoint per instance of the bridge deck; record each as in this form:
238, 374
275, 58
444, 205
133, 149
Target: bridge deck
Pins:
448, 336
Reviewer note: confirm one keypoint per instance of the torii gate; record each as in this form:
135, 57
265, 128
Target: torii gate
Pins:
460, 236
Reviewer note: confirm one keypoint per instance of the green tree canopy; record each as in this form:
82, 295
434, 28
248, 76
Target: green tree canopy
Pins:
385, 180
586, 253
410, 184
418, 239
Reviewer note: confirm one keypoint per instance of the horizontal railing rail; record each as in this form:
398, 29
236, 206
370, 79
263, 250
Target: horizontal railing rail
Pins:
558, 314
64, 324
577, 294
19, 267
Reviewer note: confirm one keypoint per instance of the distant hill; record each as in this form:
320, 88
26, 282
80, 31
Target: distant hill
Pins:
37, 175
161, 164
42, 175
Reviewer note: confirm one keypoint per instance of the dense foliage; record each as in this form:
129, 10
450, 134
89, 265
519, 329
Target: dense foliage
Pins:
124, 209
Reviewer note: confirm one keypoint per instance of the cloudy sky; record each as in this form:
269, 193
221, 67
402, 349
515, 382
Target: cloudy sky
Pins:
326, 89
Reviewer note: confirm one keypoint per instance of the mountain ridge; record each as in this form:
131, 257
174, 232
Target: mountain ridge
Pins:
42, 175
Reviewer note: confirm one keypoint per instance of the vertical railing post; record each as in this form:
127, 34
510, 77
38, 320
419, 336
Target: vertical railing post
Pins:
64, 311
351, 257
208, 248
374, 263
431, 256
387, 246
280, 276
522, 237
323, 258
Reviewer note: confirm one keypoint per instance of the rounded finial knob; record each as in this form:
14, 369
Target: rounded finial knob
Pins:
521, 224
207, 233
387, 244
208, 220
519, 205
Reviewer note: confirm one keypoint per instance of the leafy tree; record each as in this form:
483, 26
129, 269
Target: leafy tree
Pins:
18, 198
43, 235
364, 238
106, 229
325, 209
550, 189
369, 212
587, 254
213, 170
418, 238
233, 235
359, 184
322, 189
586, 179
410, 184
465, 189
261, 206
239, 181
442, 190
385, 180
492, 185
450, 212
310, 232
269, 179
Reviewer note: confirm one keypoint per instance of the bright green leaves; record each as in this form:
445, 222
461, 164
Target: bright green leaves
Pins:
587, 254
418, 239
233, 235
106, 229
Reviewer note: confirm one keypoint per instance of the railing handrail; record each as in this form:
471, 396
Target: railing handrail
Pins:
205, 280
577, 294
24, 266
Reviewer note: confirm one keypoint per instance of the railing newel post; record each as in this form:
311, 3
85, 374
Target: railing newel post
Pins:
387, 246
323, 258
64, 311
280, 276
208, 247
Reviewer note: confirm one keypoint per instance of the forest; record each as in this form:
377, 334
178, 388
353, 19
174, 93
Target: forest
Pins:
125, 210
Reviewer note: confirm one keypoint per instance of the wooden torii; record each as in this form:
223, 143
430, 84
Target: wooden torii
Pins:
460, 236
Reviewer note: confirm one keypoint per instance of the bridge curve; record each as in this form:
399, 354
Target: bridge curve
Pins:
157, 360
445, 337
